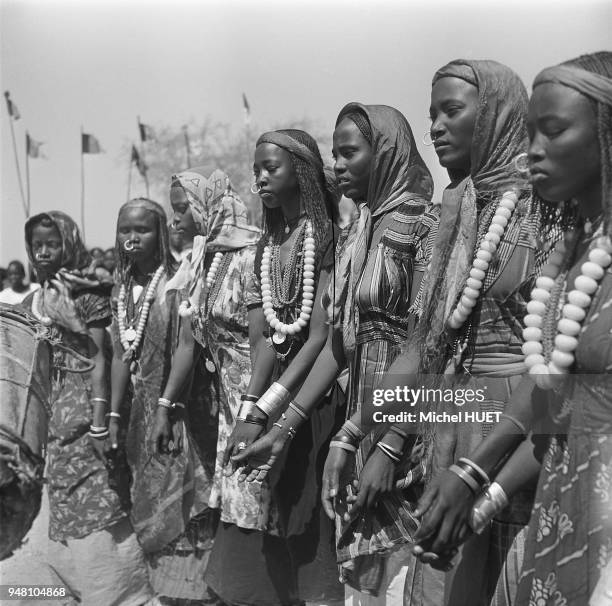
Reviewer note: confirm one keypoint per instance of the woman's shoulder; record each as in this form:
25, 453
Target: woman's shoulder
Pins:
412, 221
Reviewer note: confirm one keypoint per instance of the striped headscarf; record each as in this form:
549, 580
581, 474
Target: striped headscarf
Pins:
397, 174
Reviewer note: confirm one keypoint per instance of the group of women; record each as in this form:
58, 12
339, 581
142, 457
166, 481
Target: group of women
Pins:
228, 455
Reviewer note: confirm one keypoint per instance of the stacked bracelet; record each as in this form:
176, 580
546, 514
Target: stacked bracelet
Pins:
475, 471
98, 432
353, 430
491, 503
99, 400
113, 415
342, 438
165, 403
393, 453
342, 445
274, 399
246, 408
400, 432
472, 484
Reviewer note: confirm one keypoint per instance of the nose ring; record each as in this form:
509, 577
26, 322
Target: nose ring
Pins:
521, 164
41, 256
255, 188
128, 245
428, 139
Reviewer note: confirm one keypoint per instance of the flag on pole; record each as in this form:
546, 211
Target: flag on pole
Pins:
136, 159
12, 108
247, 109
33, 147
146, 132
90, 145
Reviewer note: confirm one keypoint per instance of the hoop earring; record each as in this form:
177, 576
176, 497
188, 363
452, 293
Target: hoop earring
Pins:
427, 141
255, 189
521, 164
128, 245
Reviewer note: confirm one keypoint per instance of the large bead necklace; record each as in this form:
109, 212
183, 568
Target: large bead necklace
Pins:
484, 255
131, 337
281, 329
546, 367
185, 308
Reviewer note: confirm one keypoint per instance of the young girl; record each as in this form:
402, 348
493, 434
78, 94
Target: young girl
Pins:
169, 490
93, 548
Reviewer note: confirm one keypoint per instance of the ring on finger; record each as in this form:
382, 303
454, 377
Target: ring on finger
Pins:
241, 445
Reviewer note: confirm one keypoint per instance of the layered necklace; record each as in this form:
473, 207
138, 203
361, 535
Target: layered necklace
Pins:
550, 341
482, 259
131, 331
280, 287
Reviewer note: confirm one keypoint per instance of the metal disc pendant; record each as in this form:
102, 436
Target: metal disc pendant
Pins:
130, 335
279, 337
210, 365
287, 229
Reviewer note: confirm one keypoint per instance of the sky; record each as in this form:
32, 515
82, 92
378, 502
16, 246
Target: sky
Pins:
97, 65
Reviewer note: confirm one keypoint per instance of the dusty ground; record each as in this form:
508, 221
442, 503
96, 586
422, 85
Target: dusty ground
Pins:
27, 565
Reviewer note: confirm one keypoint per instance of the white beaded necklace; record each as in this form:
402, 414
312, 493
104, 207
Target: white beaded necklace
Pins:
573, 313
131, 338
281, 330
483, 258
185, 308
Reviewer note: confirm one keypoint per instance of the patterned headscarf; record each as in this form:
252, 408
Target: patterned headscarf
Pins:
397, 174
57, 293
221, 219
500, 134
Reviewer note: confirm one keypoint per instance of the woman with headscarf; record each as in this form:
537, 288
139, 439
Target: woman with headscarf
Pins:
292, 268
371, 303
222, 322
492, 239
93, 548
169, 489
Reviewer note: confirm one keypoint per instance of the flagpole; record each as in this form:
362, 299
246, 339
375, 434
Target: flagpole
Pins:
142, 155
23, 198
130, 178
27, 163
82, 188
185, 132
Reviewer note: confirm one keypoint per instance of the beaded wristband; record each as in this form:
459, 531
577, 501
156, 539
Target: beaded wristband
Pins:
469, 481
342, 445
492, 502
515, 421
164, 402
479, 470
274, 398
382, 448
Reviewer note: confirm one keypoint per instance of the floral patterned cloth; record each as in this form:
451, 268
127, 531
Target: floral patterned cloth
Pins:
227, 345
570, 532
83, 496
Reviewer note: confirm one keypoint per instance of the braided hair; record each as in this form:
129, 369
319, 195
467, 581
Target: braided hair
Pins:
163, 253
316, 198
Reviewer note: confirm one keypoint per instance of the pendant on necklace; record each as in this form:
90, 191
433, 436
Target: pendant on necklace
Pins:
287, 229
130, 335
210, 365
279, 337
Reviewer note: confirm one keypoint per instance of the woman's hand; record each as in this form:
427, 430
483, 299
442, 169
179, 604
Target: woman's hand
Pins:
376, 479
261, 456
338, 471
162, 431
445, 509
99, 445
243, 435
